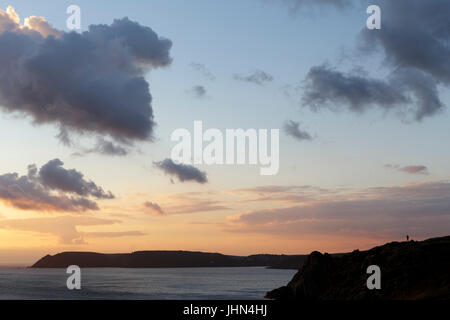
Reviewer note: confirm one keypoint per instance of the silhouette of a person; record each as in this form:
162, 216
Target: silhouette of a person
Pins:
407, 237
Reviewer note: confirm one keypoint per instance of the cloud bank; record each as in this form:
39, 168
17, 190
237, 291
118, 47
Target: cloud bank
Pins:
419, 209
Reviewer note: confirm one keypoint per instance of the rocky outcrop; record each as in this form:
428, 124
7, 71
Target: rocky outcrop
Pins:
409, 270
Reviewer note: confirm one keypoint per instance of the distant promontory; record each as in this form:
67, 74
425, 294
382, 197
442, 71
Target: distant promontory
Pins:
167, 259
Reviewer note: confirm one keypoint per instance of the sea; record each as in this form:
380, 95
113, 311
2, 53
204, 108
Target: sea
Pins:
244, 283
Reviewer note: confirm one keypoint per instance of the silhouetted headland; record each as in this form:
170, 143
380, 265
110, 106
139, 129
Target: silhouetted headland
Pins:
167, 259
409, 270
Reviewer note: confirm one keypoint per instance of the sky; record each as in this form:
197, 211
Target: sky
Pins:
362, 114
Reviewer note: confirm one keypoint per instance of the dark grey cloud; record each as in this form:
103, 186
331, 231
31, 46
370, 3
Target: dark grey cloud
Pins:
52, 188
416, 51
257, 77
406, 92
292, 128
183, 172
200, 67
154, 208
327, 87
414, 169
55, 177
416, 38
22, 193
198, 91
90, 82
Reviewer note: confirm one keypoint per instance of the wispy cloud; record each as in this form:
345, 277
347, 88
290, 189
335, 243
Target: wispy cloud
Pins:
65, 228
107, 148
198, 91
285, 194
187, 203
196, 206
154, 208
415, 169
292, 129
258, 77
200, 67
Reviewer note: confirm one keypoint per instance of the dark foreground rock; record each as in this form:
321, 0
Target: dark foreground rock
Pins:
409, 270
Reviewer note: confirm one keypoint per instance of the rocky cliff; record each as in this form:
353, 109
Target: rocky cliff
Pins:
409, 270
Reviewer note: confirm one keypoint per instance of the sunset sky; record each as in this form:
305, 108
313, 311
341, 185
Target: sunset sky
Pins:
364, 155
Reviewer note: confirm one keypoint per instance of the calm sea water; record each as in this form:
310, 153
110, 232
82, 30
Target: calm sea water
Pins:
115, 283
